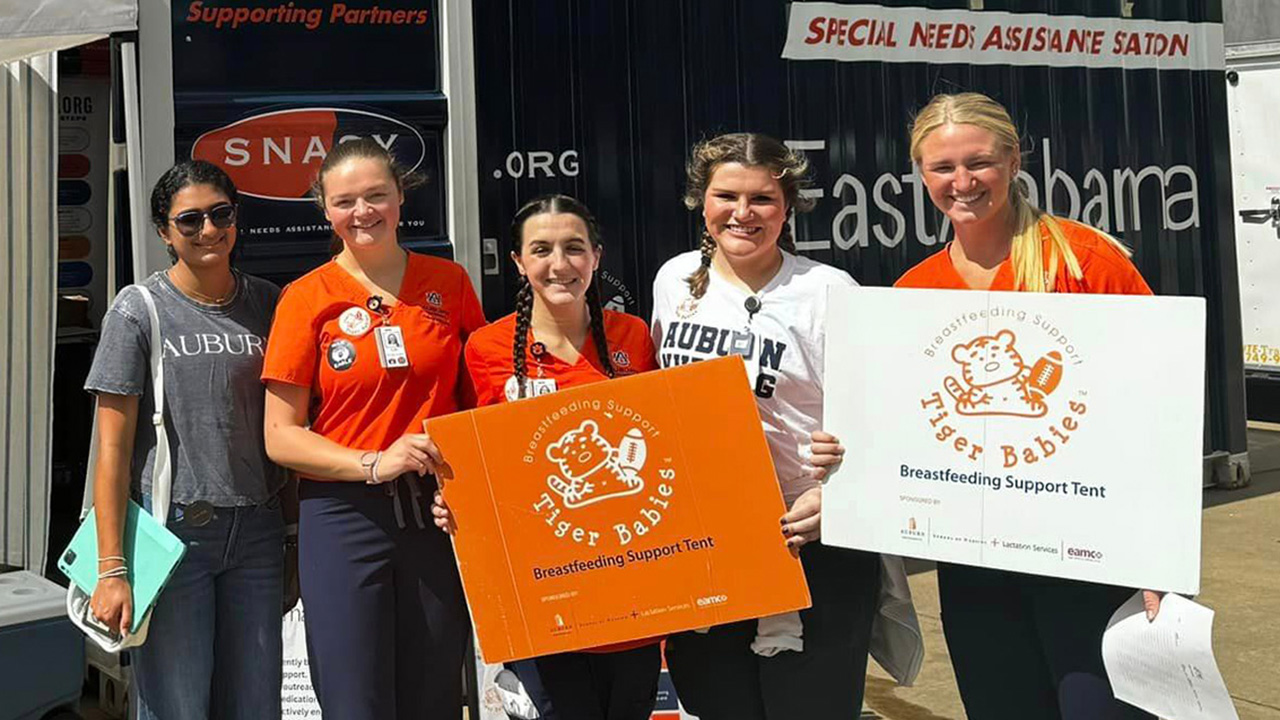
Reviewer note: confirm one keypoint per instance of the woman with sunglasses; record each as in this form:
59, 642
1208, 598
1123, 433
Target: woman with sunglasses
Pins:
213, 647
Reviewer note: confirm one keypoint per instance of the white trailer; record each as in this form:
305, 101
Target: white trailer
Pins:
1253, 96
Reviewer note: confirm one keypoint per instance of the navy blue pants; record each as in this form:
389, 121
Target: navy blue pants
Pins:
718, 677
387, 625
1025, 646
593, 686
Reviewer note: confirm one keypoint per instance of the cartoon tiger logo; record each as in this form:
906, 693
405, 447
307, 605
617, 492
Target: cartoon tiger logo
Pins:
996, 381
592, 468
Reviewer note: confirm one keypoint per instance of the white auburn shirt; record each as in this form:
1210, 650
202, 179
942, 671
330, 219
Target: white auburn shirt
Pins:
783, 352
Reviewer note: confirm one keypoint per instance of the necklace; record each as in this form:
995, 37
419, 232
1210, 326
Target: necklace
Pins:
201, 297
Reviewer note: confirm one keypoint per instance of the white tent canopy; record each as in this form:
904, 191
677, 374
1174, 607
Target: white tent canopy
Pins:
31, 31
36, 27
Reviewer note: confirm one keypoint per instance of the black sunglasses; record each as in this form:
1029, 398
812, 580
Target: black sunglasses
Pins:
191, 222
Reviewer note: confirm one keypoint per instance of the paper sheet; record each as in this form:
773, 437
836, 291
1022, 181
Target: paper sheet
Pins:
1166, 667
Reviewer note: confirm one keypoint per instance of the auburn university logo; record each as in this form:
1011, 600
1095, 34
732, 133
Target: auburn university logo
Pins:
992, 402
276, 155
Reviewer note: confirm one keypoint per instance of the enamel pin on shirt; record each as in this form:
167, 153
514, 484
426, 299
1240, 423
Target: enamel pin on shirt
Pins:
354, 321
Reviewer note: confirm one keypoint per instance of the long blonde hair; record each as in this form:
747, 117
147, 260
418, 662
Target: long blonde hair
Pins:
1027, 251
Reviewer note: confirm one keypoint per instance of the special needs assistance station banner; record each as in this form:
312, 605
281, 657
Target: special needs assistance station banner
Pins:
617, 511
1044, 433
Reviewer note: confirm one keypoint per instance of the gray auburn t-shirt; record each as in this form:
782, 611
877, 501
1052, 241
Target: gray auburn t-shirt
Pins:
212, 387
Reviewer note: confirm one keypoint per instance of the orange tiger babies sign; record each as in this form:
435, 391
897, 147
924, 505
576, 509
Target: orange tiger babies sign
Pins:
617, 511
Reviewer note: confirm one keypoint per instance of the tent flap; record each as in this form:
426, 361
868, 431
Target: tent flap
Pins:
28, 266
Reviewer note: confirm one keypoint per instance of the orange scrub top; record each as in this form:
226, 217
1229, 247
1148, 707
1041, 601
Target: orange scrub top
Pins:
324, 338
1105, 269
490, 365
489, 361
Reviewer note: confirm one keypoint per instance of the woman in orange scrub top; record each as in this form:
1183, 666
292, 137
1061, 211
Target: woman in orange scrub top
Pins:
560, 337
362, 350
1023, 646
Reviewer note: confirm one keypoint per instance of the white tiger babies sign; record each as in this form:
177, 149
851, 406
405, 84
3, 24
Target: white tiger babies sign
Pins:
1053, 434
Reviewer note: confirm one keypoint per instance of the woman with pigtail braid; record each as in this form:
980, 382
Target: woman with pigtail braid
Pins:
559, 336
596, 308
520, 340
746, 282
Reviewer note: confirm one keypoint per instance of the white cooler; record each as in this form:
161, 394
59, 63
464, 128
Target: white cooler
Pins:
41, 652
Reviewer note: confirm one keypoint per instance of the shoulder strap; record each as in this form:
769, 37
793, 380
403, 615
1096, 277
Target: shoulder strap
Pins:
161, 471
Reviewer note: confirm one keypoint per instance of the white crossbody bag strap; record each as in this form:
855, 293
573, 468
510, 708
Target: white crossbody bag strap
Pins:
162, 470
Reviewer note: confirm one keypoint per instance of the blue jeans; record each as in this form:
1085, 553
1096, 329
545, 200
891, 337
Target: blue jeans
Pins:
214, 647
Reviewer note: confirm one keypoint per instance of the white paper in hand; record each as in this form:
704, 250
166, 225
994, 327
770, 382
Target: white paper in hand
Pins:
1166, 667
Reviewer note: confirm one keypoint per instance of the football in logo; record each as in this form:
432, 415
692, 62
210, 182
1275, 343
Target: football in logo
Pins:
1047, 373
632, 451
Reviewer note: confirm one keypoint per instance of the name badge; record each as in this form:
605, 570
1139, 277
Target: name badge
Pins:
742, 343
533, 387
391, 350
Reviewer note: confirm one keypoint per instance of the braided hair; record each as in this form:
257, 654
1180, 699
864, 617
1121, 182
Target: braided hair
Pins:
751, 150
524, 296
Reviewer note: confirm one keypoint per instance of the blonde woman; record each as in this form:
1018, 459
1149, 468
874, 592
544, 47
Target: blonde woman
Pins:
1022, 646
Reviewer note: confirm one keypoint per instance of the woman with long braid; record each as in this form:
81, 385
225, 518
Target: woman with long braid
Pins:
559, 336
747, 286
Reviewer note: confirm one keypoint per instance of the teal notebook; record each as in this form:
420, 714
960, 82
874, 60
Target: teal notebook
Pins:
152, 551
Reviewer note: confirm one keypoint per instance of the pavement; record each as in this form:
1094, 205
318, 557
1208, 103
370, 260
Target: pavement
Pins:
1240, 581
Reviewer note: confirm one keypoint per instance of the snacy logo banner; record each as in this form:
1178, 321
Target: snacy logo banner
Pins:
276, 155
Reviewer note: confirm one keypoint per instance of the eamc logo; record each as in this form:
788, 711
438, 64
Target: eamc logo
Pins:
276, 155
606, 474
993, 401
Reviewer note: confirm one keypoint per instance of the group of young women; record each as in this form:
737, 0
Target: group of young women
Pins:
364, 348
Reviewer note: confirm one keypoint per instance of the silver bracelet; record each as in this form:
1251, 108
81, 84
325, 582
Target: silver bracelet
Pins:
373, 470
122, 571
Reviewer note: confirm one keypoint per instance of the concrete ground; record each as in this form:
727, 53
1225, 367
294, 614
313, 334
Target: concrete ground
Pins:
1240, 581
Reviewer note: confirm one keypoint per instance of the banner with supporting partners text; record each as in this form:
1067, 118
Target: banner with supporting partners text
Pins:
617, 511
1044, 433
